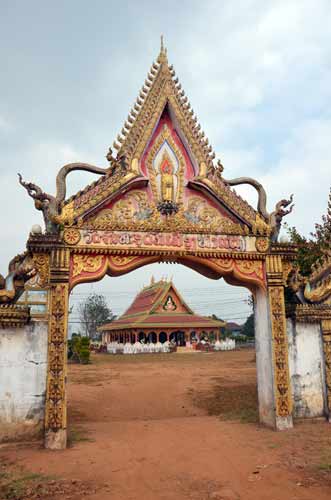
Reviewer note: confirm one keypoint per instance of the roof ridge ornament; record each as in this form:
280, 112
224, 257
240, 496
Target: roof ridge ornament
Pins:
163, 55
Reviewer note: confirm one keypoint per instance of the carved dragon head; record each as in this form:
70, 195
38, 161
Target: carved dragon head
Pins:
281, 206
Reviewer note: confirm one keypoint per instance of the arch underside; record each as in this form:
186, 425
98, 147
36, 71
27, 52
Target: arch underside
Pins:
92, 267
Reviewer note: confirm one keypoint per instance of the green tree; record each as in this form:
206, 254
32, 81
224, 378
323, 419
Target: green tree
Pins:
93, 312
311, 249
322, 232
221, 330
249, 327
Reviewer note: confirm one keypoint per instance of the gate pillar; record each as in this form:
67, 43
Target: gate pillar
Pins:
56, 403
281, 377
326, 334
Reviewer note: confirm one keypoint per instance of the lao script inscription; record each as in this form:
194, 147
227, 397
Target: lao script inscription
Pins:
153, 240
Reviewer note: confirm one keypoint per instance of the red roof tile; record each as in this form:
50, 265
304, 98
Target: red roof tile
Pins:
145, 300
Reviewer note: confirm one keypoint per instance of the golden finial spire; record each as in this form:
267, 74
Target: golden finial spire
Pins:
152, 280
163, 52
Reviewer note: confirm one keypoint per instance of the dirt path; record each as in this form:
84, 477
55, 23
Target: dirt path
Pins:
177, 427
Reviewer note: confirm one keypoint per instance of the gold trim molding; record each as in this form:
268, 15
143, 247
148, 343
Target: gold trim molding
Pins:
13, 316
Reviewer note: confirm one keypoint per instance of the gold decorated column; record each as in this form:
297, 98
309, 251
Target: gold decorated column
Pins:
326, 333
282, 387
56, 403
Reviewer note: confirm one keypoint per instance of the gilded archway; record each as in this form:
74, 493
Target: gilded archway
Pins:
161, 198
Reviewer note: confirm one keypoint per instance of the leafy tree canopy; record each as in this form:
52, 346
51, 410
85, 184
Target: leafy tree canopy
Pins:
311, 248
93, 312
249, 328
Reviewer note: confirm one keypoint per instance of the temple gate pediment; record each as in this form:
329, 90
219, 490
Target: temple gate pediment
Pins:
164, 166
162, 198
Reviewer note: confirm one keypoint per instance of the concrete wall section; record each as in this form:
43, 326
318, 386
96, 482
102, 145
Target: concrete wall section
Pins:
306, 369
23, 370
263, 347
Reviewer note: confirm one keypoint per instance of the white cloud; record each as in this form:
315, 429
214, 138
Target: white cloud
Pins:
5, 125
265, 54
304, 168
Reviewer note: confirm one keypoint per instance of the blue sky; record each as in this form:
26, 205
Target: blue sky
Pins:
257, 73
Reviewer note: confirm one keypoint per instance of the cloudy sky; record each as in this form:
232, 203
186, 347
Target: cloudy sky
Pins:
257, 72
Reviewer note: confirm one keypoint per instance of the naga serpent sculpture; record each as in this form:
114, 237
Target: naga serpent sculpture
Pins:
275, 217
262, 195
51, 205
19, 271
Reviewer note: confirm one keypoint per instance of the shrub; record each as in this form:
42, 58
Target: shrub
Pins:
84, 353
79, 349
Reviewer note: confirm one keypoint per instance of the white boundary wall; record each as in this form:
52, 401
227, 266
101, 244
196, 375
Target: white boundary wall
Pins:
23, 370
306, 362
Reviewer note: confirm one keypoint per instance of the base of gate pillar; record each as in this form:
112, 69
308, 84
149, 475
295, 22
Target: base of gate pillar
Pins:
56, 440
284, 423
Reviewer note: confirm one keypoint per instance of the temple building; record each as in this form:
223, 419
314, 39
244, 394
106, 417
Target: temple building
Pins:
157, 314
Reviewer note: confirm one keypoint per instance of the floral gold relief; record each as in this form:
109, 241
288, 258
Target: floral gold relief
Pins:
245, 270
134, 212
262, 244
280, 351
121, 260
55, 418
41, 262
86, 263
251, 266
71, 236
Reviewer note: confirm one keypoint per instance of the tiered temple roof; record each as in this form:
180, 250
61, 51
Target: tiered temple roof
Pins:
160, 305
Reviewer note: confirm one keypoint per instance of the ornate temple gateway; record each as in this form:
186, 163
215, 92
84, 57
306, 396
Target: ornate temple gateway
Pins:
161, 198
159, 314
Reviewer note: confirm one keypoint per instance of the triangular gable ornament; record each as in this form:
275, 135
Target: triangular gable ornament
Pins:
161, 150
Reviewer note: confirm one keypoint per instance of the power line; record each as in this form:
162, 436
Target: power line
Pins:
188, 291
238, 298
194, 304
230, 289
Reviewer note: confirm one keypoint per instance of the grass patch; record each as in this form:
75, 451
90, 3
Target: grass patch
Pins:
325, 463
236, 402
325, 466
273, 446
19, 485
78, 435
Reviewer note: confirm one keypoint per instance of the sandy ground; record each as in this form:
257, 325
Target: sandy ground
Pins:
171, 427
